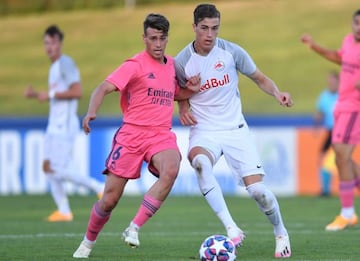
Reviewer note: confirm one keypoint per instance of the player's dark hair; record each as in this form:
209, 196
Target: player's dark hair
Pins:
53, 30
356, 13
158, 22
203, 11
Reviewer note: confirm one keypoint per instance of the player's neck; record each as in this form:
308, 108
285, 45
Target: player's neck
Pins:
55, 58
199, 50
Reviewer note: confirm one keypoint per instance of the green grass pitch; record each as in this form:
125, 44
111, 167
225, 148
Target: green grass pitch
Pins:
175, 232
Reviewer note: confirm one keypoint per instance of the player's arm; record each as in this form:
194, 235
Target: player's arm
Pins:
74, 92
192, 86
96, 100
331, 55
185, 115
268, 86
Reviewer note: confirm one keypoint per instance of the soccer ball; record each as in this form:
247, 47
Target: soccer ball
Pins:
217, 248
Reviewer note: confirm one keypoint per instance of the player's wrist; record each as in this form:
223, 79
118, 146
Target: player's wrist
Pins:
52, 94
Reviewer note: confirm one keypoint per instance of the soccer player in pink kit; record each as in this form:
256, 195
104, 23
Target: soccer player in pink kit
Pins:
346, 131
148, 88
218, 127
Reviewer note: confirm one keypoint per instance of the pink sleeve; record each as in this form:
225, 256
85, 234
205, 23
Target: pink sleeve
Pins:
123, 74
341, 51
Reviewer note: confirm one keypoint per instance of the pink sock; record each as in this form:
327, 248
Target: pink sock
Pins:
97, 220
347, 193
147, 209
357, 183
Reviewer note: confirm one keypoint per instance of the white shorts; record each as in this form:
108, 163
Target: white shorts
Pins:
59, 151
237, 146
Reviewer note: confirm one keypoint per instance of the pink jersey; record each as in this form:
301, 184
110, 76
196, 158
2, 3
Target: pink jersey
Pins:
349, 95
147, 90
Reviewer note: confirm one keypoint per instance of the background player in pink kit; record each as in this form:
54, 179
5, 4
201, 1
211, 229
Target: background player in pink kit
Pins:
148, 87
218, 125
63, 125
346, 132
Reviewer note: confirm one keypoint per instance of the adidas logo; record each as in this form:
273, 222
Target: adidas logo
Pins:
151, 76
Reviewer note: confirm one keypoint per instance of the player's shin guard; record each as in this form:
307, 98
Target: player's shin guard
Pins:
147, 209
268, 204
97, 220
210, 189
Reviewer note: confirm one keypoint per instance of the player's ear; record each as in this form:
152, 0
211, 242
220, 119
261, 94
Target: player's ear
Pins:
194, 27
144, 38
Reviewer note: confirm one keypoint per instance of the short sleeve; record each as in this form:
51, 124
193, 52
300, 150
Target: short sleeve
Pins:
243, 61
69, 70
124, 74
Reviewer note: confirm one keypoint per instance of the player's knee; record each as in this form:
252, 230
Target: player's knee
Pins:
108, 202
201, 162
171, 172
260, 193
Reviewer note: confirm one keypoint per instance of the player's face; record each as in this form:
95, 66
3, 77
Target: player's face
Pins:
155, 41
356, 28
206, 32
52, 47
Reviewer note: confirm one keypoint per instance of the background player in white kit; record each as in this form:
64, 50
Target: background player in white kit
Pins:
218, 126
63, 124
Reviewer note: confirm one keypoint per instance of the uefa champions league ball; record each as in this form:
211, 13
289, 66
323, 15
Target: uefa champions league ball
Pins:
217, 248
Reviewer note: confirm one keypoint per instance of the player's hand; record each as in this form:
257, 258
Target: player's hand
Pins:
194, 83
307, 40
43, 96
30, 92
284, 99
47, 167
185, 115
86, 123
187, 118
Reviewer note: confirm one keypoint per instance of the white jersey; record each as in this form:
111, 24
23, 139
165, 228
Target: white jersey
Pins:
63, 119
218, 105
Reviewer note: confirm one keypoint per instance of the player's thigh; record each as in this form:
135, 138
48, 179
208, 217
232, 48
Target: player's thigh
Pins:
124, 160
162, 153
58, 150
242, 156
206, 142
346, 128
167, 162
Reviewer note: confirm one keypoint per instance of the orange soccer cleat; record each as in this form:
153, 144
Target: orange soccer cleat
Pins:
56, 216
341, 223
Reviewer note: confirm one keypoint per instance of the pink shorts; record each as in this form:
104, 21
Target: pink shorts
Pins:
346, 128
134, 144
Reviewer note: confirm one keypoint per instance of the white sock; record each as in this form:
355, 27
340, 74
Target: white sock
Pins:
88, 242
268, 204
211, 190
58, 194
347, 212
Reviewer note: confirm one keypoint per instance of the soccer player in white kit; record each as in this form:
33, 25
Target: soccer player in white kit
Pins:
63, 125
218, 126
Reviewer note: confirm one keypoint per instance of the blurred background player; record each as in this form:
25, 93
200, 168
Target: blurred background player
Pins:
218, 127
148, 86
63, 125
324, 117
346, 131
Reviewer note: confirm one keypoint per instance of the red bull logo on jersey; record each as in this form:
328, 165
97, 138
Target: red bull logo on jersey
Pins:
219, 66
215, 82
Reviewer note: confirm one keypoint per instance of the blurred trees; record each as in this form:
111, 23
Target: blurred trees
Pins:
8, 7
